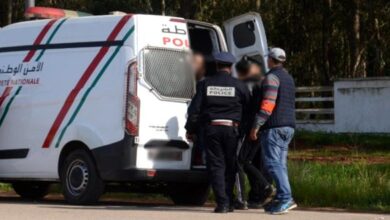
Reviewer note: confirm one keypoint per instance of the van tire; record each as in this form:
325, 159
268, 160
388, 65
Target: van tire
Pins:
81, 183
189, 194
31, 190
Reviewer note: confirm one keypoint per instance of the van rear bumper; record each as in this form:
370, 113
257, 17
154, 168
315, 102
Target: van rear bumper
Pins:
117, 163
140, 175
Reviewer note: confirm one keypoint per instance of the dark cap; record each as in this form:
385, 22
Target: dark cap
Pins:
224, 58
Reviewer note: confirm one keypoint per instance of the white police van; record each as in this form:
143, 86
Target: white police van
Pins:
102, 99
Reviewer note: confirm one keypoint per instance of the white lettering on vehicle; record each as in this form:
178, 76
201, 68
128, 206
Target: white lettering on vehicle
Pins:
221, 91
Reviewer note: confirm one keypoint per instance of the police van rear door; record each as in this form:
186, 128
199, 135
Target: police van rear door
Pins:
245, 35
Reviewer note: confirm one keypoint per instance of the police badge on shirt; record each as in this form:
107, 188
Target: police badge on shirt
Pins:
221, 91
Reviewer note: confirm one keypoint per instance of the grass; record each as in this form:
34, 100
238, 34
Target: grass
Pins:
343, 148
5, 187
357, 186
322, 173
362, 142
349, 171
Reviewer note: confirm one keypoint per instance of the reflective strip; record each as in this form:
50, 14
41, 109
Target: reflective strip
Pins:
267, 105
222, 120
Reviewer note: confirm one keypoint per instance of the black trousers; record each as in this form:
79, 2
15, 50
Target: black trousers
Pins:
221, 146
250, 163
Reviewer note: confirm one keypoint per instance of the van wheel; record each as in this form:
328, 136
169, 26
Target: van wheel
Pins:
81, 183
189, 194
31, 190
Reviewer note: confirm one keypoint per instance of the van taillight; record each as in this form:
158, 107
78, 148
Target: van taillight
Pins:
133, 102
132, 117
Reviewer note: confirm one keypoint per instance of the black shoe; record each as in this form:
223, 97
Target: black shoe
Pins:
269, 206
255, 205
221, 209
231, 208
240, 205
269, 193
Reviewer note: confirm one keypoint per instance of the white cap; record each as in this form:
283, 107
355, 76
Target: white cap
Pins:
278, 54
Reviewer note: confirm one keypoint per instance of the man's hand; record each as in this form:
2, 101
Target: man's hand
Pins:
253, 134
190, 137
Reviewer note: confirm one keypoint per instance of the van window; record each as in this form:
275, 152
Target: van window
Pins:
169, 73
244, 34
203, 39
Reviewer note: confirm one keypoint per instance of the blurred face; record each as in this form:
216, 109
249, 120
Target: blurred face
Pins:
198, 64
254, 71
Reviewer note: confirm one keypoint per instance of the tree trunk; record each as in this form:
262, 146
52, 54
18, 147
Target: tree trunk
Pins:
149, 7
258, 4
162, 7
29, 3
354, 39
374, 59
9, 12
187, 9
326, 40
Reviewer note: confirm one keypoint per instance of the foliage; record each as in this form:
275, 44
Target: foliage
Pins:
325, 40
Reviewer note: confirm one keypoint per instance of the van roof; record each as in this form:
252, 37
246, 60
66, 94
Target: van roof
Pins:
78, 29
40, 22
94, 18
66, 30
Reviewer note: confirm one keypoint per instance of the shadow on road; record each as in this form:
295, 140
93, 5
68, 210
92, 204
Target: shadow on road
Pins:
57, 202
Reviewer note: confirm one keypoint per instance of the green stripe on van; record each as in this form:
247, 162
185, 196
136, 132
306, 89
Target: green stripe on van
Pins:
7, 107
50, 39
88, 91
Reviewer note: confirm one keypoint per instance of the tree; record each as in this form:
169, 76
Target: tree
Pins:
324, 40
9, 12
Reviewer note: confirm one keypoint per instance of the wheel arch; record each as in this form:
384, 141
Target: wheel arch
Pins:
69, 148
93, 187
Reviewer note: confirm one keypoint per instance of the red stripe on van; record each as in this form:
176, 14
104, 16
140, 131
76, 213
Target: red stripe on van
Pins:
81, 83
29, 55
5, 94
39, 39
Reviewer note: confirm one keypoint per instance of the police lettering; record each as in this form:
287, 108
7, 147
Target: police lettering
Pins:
221, 91
177, 42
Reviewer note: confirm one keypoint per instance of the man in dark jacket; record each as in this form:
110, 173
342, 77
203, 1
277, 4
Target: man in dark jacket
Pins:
249, 158
275, 121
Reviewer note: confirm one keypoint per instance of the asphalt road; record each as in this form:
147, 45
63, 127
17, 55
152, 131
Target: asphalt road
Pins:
13, 208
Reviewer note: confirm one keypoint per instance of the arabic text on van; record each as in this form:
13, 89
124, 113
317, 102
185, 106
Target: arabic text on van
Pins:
22, 68
20, 74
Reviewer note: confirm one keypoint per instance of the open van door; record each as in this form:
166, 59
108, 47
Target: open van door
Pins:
245, 35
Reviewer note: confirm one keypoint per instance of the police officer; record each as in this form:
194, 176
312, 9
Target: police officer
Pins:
219, 106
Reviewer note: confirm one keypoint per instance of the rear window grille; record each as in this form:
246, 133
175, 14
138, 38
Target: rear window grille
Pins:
169, 73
